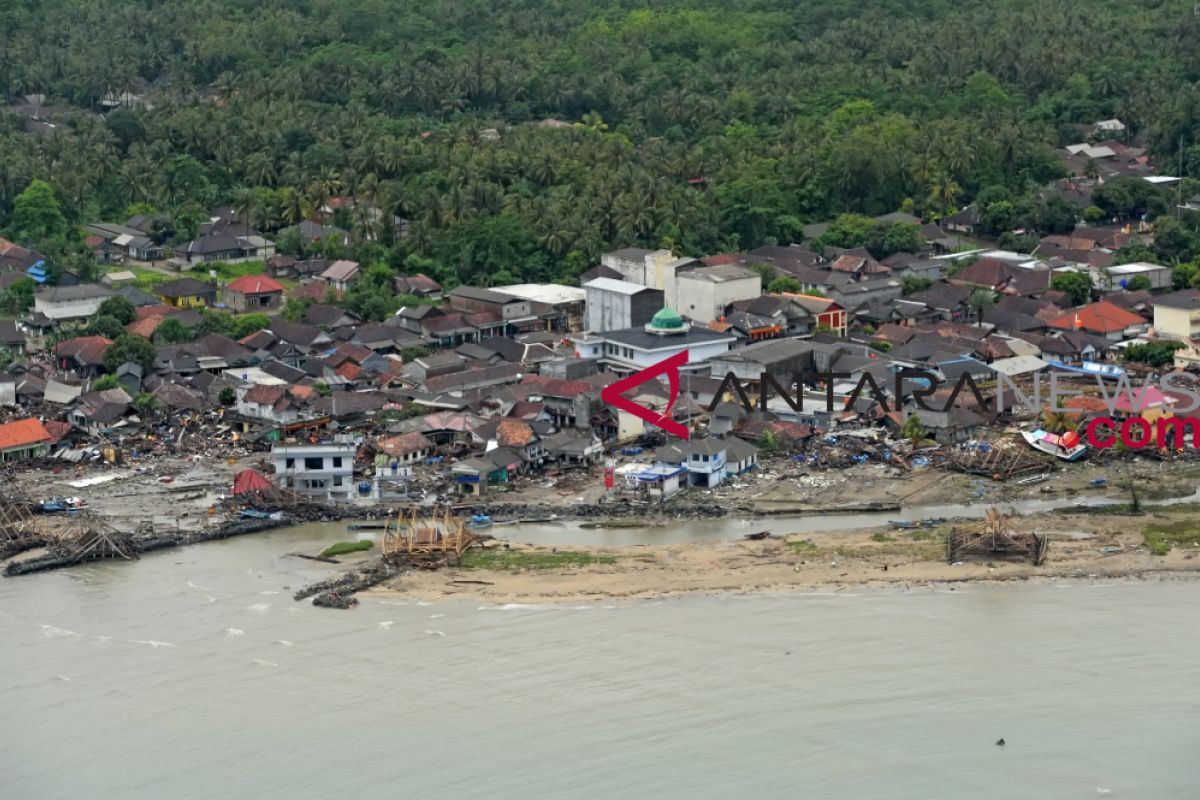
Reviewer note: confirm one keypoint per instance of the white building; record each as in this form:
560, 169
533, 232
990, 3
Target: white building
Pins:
1158, 275
612, 304
319, 470
70, 302
703, 294
633, 349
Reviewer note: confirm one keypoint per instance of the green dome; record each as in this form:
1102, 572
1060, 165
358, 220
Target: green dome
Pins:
666, 321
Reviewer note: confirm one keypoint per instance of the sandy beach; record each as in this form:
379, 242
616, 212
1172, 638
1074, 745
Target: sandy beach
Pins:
1087, 547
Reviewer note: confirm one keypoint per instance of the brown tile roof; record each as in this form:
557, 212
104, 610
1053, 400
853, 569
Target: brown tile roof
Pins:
84, 349
265, 395
1101, 317
514, 433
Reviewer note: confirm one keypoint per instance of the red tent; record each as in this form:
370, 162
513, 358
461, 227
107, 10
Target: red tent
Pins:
251, 480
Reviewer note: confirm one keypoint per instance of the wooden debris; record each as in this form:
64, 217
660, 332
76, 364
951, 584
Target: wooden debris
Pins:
993, 538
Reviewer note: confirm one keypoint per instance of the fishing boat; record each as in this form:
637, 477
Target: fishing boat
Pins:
756, 537
58, 505
479, 521
932, 522
904, 524
366, 526
1067, 447
1111, 372
1032, 479
253, 513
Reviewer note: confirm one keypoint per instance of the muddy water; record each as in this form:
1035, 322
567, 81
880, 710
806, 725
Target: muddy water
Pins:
192, 674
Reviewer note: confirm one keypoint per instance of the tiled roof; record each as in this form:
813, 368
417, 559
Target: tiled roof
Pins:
22, 433
84, 349
1101, 317
255, 284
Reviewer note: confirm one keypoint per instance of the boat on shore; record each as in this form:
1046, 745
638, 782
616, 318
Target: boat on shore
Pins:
758, 537
479, 522
1034, 479
1067, 447
904, 524
366, 526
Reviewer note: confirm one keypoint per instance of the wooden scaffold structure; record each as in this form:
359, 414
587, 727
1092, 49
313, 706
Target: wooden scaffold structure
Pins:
994, 538
88, 537
426, 540
19, 531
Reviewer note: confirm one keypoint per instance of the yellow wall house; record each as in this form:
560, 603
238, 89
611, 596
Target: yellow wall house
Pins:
1177, 315
186, 293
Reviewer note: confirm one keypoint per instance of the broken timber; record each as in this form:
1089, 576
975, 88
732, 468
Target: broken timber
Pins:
999, 464
427, 542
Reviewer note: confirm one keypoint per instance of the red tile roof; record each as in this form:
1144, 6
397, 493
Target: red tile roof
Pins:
23, 433
146, 326
264, 395
1101, 317
254, 284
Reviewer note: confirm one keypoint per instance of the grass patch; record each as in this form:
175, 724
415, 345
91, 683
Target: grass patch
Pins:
802, 546
498, 559
346, 547
925, 536
882, 537
1161, 537
924, 551
228, 272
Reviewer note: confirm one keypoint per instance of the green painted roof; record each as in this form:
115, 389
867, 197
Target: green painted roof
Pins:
666, 320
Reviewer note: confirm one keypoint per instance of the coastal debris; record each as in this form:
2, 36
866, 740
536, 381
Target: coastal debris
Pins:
998, 463
994, 538
1000, 742
757, 537
339, 592
18, 529
88, 537
427, 542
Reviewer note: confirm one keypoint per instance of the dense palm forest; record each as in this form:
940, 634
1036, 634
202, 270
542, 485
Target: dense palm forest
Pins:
701, 125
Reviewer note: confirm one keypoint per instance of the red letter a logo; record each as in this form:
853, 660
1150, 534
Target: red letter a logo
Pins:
612, 394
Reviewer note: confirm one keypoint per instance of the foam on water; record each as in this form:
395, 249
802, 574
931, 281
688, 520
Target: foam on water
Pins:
53, 631
231, 632
259, 608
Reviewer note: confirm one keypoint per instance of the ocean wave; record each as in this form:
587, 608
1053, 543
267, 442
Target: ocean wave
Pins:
62, 678
436, 616
55, 631
259, 608
283, 642
515, 607
230, 632
201, 588
386, 625
268, 591
152, 643
435, 633
262, 663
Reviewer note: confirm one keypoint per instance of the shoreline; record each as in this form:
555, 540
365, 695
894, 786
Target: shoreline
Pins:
1087, 548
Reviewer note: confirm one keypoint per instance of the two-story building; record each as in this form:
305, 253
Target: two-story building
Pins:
318, 470
666, 335
1177, 314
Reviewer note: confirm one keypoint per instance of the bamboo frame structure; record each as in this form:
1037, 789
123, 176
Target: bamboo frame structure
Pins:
87, 536
17, 524
994, 538
415, 538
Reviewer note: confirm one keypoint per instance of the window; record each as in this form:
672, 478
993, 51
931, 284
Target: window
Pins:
337, 480
337, 461
314, 462
290, 464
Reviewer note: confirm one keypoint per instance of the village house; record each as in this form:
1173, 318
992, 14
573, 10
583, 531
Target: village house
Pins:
23, 439
99, 411
1102, 319
341, 275
254, 293
1177, 315
186, 293
12, 338
419, 285
83, 355
66, 303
